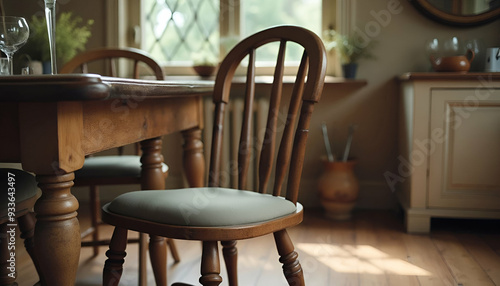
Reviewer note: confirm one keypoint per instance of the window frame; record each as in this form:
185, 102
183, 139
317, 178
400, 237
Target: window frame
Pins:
124, 22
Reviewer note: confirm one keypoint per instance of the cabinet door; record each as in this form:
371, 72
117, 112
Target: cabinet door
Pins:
464, 149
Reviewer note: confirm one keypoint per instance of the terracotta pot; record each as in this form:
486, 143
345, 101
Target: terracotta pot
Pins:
453, 63
339, 189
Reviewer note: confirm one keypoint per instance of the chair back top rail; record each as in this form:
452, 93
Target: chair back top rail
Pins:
305, 94
110, 55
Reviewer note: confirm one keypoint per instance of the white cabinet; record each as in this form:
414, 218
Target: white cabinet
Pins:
449, 163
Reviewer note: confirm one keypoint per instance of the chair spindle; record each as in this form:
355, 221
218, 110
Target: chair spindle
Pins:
286, 141
269, 143
245, 146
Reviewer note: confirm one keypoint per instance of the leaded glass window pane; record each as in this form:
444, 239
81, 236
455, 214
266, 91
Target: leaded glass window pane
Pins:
181, 31
257, 15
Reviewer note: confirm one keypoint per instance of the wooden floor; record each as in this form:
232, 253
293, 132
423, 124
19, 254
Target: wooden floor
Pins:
369, 249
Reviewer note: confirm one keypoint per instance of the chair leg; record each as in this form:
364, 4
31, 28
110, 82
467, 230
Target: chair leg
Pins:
158, 256
231, 259
7, 274
173, 250
113, 267
288, 257
210, 265
95, 215
27, 227
143, 258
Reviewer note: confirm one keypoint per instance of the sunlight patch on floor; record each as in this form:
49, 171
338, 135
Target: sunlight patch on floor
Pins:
360, 259
251, 262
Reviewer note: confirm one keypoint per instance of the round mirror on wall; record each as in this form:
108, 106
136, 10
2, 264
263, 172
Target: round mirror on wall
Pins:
460, 12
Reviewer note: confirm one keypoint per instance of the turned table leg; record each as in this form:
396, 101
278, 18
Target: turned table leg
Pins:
152, 179
57, 231
194, 159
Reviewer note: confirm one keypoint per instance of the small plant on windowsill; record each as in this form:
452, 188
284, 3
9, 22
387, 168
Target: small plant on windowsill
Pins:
71, 37
350, 48
204, 63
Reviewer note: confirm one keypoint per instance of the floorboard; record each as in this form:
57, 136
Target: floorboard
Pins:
369, 249
480, 251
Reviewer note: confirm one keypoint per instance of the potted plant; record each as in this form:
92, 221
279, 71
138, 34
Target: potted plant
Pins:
71, 36
351, 49
204, 63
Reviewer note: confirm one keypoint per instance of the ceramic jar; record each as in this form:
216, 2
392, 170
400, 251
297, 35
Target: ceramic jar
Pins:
338, 189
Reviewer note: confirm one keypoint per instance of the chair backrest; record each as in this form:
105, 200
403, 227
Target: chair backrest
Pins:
111, 55
306, 92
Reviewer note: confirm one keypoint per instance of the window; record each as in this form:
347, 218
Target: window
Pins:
179, 33
257, 15
260, 14
174, 31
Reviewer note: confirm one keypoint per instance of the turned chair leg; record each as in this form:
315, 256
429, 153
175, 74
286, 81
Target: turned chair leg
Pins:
27, 227
113, 267
173, 250
288, 257
95, 215
210, 265
158, 257
231, 260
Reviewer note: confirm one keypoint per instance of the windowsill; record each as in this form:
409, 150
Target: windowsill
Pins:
330, 81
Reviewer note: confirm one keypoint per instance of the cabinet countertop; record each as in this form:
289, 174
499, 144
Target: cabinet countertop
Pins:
448, 76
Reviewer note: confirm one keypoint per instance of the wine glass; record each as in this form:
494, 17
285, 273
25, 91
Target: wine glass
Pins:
50, 17
432, 47
453, 47
14, 33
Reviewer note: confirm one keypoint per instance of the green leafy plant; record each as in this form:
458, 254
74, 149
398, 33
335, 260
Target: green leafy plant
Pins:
71, 36
351, 48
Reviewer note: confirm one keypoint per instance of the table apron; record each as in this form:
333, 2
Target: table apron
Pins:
48, 137
121, 122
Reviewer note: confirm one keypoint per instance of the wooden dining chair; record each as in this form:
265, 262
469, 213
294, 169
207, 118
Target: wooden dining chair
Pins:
18, 194
114, 169
211, 214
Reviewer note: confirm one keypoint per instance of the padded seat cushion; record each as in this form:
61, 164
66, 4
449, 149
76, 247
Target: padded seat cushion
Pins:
112, 166
204, 207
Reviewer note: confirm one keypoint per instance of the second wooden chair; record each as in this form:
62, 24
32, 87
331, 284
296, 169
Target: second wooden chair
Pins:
120, 169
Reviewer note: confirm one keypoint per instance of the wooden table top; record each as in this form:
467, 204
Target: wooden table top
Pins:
82, 87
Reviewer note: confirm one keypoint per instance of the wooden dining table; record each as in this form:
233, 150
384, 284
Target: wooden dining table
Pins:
49, 123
